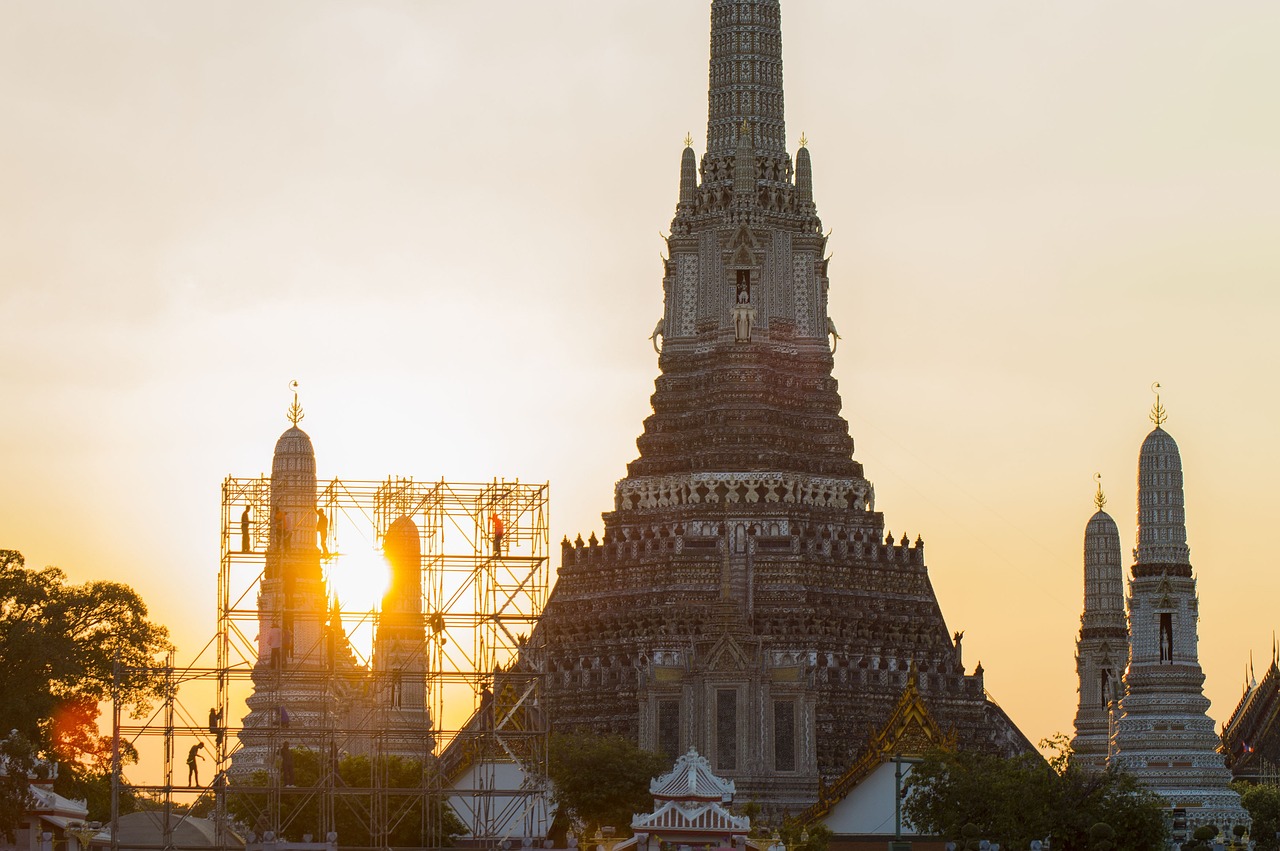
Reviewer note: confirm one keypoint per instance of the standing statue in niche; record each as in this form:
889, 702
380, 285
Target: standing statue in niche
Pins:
744, 316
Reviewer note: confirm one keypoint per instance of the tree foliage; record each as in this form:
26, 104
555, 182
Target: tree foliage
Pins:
413, 818
63, 649
1014, 801
602, 780
1263, 803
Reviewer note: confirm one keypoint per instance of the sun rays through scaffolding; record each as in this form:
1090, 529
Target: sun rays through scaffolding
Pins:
374, 702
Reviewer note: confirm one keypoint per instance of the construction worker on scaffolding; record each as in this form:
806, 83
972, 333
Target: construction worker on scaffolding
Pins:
193, 770
498, 529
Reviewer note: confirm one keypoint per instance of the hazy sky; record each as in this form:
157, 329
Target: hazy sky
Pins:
443, 219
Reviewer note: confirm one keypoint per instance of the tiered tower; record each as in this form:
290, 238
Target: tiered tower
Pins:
290, 699
1102, 649
399, 649
746, 599
1163, 735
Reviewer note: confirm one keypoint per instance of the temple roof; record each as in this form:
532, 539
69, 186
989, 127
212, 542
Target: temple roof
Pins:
910, 731
691, 779
672, 817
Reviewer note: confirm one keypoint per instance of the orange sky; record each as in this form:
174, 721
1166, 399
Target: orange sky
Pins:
442, 218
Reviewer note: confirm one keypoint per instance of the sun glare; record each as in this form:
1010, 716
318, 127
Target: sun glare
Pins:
359, 576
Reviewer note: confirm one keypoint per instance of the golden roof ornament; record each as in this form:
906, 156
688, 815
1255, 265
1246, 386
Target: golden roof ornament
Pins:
804, 140
295, 413
1099, 498
1157, 415
688, 140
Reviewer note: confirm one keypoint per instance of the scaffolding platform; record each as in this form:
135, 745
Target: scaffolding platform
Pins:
483, 585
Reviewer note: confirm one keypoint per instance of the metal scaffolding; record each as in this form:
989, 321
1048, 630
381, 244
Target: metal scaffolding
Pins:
481, 753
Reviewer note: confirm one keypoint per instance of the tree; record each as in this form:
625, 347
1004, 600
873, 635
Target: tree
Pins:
601, 780
63, 649
1014, 801
1263, 803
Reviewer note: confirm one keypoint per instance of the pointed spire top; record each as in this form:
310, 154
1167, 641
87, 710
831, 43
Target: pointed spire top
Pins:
688, 140
1157, 415
746, 75
804, 140
1099, 498
295, 413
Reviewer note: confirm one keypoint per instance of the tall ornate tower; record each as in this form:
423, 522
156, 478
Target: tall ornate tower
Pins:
399, 649
1102, 649
746, 599
1163, 735
289, 696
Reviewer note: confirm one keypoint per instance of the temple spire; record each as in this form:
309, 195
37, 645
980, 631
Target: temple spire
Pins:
295, 413
746, 75
1099, 498
1157, 415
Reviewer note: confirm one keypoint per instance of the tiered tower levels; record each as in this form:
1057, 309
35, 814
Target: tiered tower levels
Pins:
746, 599
1164, 735
1102, 649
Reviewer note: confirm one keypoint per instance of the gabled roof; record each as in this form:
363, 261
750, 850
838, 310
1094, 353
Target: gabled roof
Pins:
691, 779
910, 731
675, 818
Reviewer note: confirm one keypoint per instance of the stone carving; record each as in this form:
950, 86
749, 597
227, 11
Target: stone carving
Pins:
744, 319
802, 283
687, 284
736, 488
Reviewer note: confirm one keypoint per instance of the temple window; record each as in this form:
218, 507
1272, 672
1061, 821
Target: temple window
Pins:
742, 295
784, 735
726, 729
669, 728
1166, 637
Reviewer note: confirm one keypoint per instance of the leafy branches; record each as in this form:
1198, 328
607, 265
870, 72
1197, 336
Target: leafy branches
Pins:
60, 646
1014, 801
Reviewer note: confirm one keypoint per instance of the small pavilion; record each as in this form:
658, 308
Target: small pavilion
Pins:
690, 808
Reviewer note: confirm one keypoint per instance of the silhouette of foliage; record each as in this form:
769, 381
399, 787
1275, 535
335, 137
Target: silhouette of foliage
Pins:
63, 649
1014, 801
602, 780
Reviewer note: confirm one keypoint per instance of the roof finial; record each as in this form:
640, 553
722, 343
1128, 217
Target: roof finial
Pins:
295, 410
1158, 416
1100, 498
804, 140
688, 140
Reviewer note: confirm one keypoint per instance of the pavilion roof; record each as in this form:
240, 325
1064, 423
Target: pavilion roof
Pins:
691, 779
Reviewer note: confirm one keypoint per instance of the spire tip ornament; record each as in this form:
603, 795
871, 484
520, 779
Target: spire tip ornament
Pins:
1157, 415
1099, 498
295, 413
804, 140
688, 140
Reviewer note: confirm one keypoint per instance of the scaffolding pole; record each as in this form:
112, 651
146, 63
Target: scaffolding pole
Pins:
484, 578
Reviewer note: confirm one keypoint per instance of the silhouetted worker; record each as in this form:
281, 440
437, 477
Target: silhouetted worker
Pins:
244, 531
193, 770
273, 644
215, 725
286, 765
498, 529
322, 529
280, 530
284, 718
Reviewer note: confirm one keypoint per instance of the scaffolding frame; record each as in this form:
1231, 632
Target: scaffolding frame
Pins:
481, 595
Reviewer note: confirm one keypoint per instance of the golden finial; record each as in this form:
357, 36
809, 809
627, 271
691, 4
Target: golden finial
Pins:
1158, 416
804, 140
295, 410
1100, 498
688, 140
